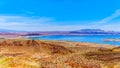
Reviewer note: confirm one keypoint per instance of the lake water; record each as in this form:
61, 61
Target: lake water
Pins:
92, 39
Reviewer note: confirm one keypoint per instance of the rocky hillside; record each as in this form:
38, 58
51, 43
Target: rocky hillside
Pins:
32, 46
57, 54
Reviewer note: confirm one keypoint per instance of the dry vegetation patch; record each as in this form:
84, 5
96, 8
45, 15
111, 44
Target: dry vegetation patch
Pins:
56, 54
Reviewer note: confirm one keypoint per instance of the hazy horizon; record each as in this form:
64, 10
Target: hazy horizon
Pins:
63, 15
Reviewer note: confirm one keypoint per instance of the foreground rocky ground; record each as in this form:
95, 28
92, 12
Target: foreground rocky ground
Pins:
57, 54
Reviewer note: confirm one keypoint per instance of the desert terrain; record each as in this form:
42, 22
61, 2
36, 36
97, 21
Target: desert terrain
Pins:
19, 53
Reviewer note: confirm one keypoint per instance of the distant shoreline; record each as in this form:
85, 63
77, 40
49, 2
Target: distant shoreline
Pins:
29, 38
75, 35
98, 41
79, 42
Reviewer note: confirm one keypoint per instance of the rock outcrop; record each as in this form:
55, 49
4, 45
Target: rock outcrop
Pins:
32, 46
116, 49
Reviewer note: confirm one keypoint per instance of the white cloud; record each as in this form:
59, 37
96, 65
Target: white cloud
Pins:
49, 24
23, 23
35, 24
110, 18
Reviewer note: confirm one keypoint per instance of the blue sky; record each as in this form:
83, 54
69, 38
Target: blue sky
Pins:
59, 15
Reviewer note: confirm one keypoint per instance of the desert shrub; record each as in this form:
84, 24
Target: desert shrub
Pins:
17, 62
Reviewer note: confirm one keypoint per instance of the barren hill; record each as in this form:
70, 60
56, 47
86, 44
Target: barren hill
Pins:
31, 46
57, 54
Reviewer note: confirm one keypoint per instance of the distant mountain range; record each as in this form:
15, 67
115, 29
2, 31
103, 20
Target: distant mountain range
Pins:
93, 31
76, 32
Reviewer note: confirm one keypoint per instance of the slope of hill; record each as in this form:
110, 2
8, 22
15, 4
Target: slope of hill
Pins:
32, 46
56, 54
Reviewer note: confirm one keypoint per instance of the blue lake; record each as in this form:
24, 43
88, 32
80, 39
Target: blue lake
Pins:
92, 39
